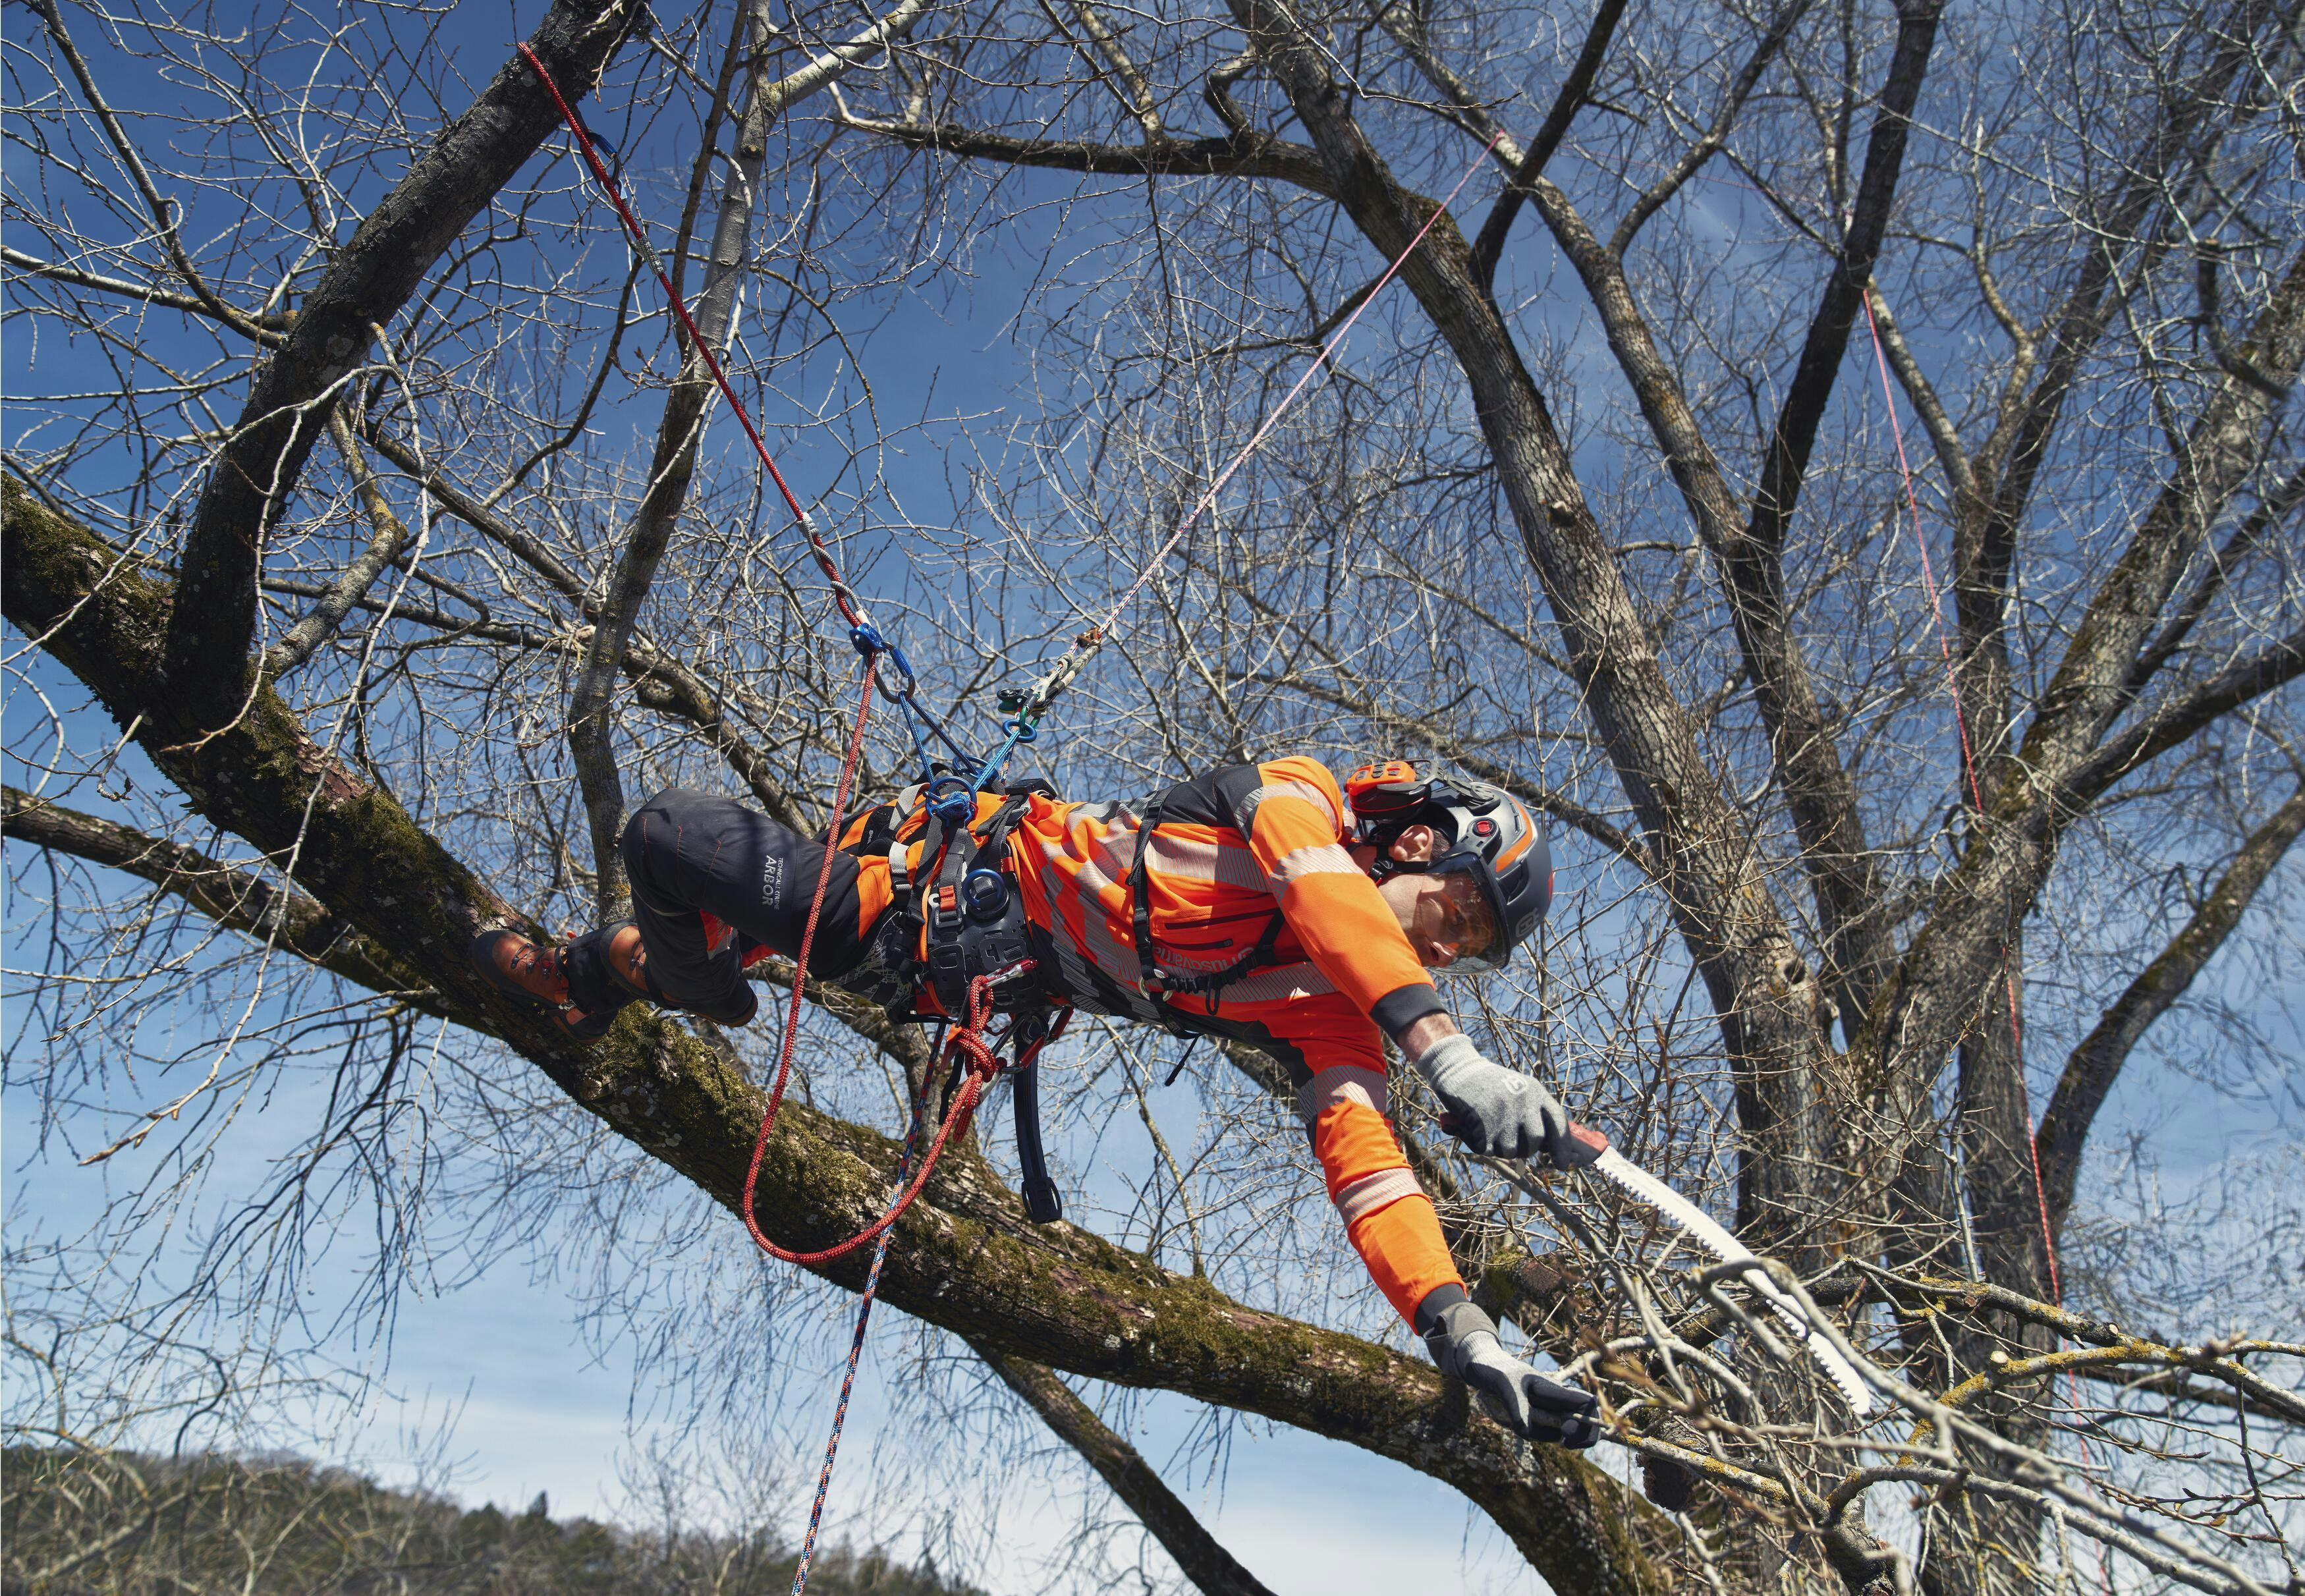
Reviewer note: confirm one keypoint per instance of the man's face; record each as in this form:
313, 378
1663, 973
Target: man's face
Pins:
1444, 917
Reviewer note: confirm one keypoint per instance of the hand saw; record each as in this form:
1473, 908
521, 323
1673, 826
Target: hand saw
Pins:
1642, 1186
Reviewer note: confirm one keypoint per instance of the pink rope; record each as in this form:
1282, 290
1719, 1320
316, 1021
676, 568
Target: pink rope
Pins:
1969, 770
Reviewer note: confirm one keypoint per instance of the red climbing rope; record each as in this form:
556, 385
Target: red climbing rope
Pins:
1976, 790
852, 608
965, 1044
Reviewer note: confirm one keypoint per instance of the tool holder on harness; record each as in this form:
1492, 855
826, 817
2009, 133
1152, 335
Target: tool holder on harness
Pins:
980, 949
1208, 985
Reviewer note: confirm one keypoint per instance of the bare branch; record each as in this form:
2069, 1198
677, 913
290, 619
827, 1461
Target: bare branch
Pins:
1204, 1561
371, 276
1489, 247
388, 538
2093, 1066
235, 899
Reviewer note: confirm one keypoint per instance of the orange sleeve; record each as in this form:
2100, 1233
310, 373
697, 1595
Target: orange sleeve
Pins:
1295, 823
1388, 1216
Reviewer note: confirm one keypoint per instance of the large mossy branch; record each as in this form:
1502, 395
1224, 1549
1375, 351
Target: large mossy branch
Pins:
965, 1257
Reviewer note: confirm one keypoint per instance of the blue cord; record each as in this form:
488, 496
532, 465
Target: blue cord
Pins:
957, 805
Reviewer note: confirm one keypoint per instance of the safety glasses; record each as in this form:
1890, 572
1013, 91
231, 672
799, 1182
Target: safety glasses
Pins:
1468, 923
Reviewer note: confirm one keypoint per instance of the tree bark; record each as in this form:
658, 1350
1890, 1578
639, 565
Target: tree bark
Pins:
371, 276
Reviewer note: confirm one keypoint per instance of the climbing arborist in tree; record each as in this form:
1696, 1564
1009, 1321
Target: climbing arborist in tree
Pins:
1269, 908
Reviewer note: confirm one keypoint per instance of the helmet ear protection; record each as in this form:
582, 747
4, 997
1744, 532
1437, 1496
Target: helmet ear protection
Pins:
1488, 835
1388, 793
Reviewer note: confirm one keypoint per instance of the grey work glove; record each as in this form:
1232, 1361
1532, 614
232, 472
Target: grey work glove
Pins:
1492, 1110
1463, 1341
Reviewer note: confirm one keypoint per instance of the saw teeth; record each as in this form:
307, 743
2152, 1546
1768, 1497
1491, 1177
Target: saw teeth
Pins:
1643, 1188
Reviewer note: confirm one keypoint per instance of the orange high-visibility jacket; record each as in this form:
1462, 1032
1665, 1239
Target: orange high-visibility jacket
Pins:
1228, 848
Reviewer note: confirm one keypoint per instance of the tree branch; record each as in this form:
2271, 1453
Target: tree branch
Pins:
1136, 91
267, 329
2021, 435
1716, 133
1240, 155
2092, 1067
592, 723
2271, 511
473, 513
237, 900
965, 1257
1490, 246
2090, 689
1836, 856
165, 213
1204, 1561
1944, 437
388, 536
1786, 461
369, 279
2176, 722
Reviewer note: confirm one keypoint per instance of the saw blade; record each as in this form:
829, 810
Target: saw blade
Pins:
1643, 1188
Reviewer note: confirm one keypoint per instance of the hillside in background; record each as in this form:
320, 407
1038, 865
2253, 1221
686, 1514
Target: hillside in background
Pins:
123, 1524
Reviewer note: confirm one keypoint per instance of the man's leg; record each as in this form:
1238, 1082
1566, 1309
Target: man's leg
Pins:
687, 850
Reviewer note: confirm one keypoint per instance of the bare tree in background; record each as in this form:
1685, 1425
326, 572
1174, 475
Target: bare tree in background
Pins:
335, 503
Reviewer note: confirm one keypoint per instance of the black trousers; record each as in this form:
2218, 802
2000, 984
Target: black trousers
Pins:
687, 850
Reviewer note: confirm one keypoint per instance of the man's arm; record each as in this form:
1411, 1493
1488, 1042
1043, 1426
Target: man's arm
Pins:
1421, 1034
1293, 818
1292, 814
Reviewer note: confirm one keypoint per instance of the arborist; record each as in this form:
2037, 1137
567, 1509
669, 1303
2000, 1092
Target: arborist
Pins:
1262, 902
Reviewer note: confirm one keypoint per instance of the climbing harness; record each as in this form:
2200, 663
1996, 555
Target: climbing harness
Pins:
967, 910
981, 958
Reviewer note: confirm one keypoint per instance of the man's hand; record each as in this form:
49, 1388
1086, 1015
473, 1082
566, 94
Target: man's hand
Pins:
1463, 1341
1492, 1110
